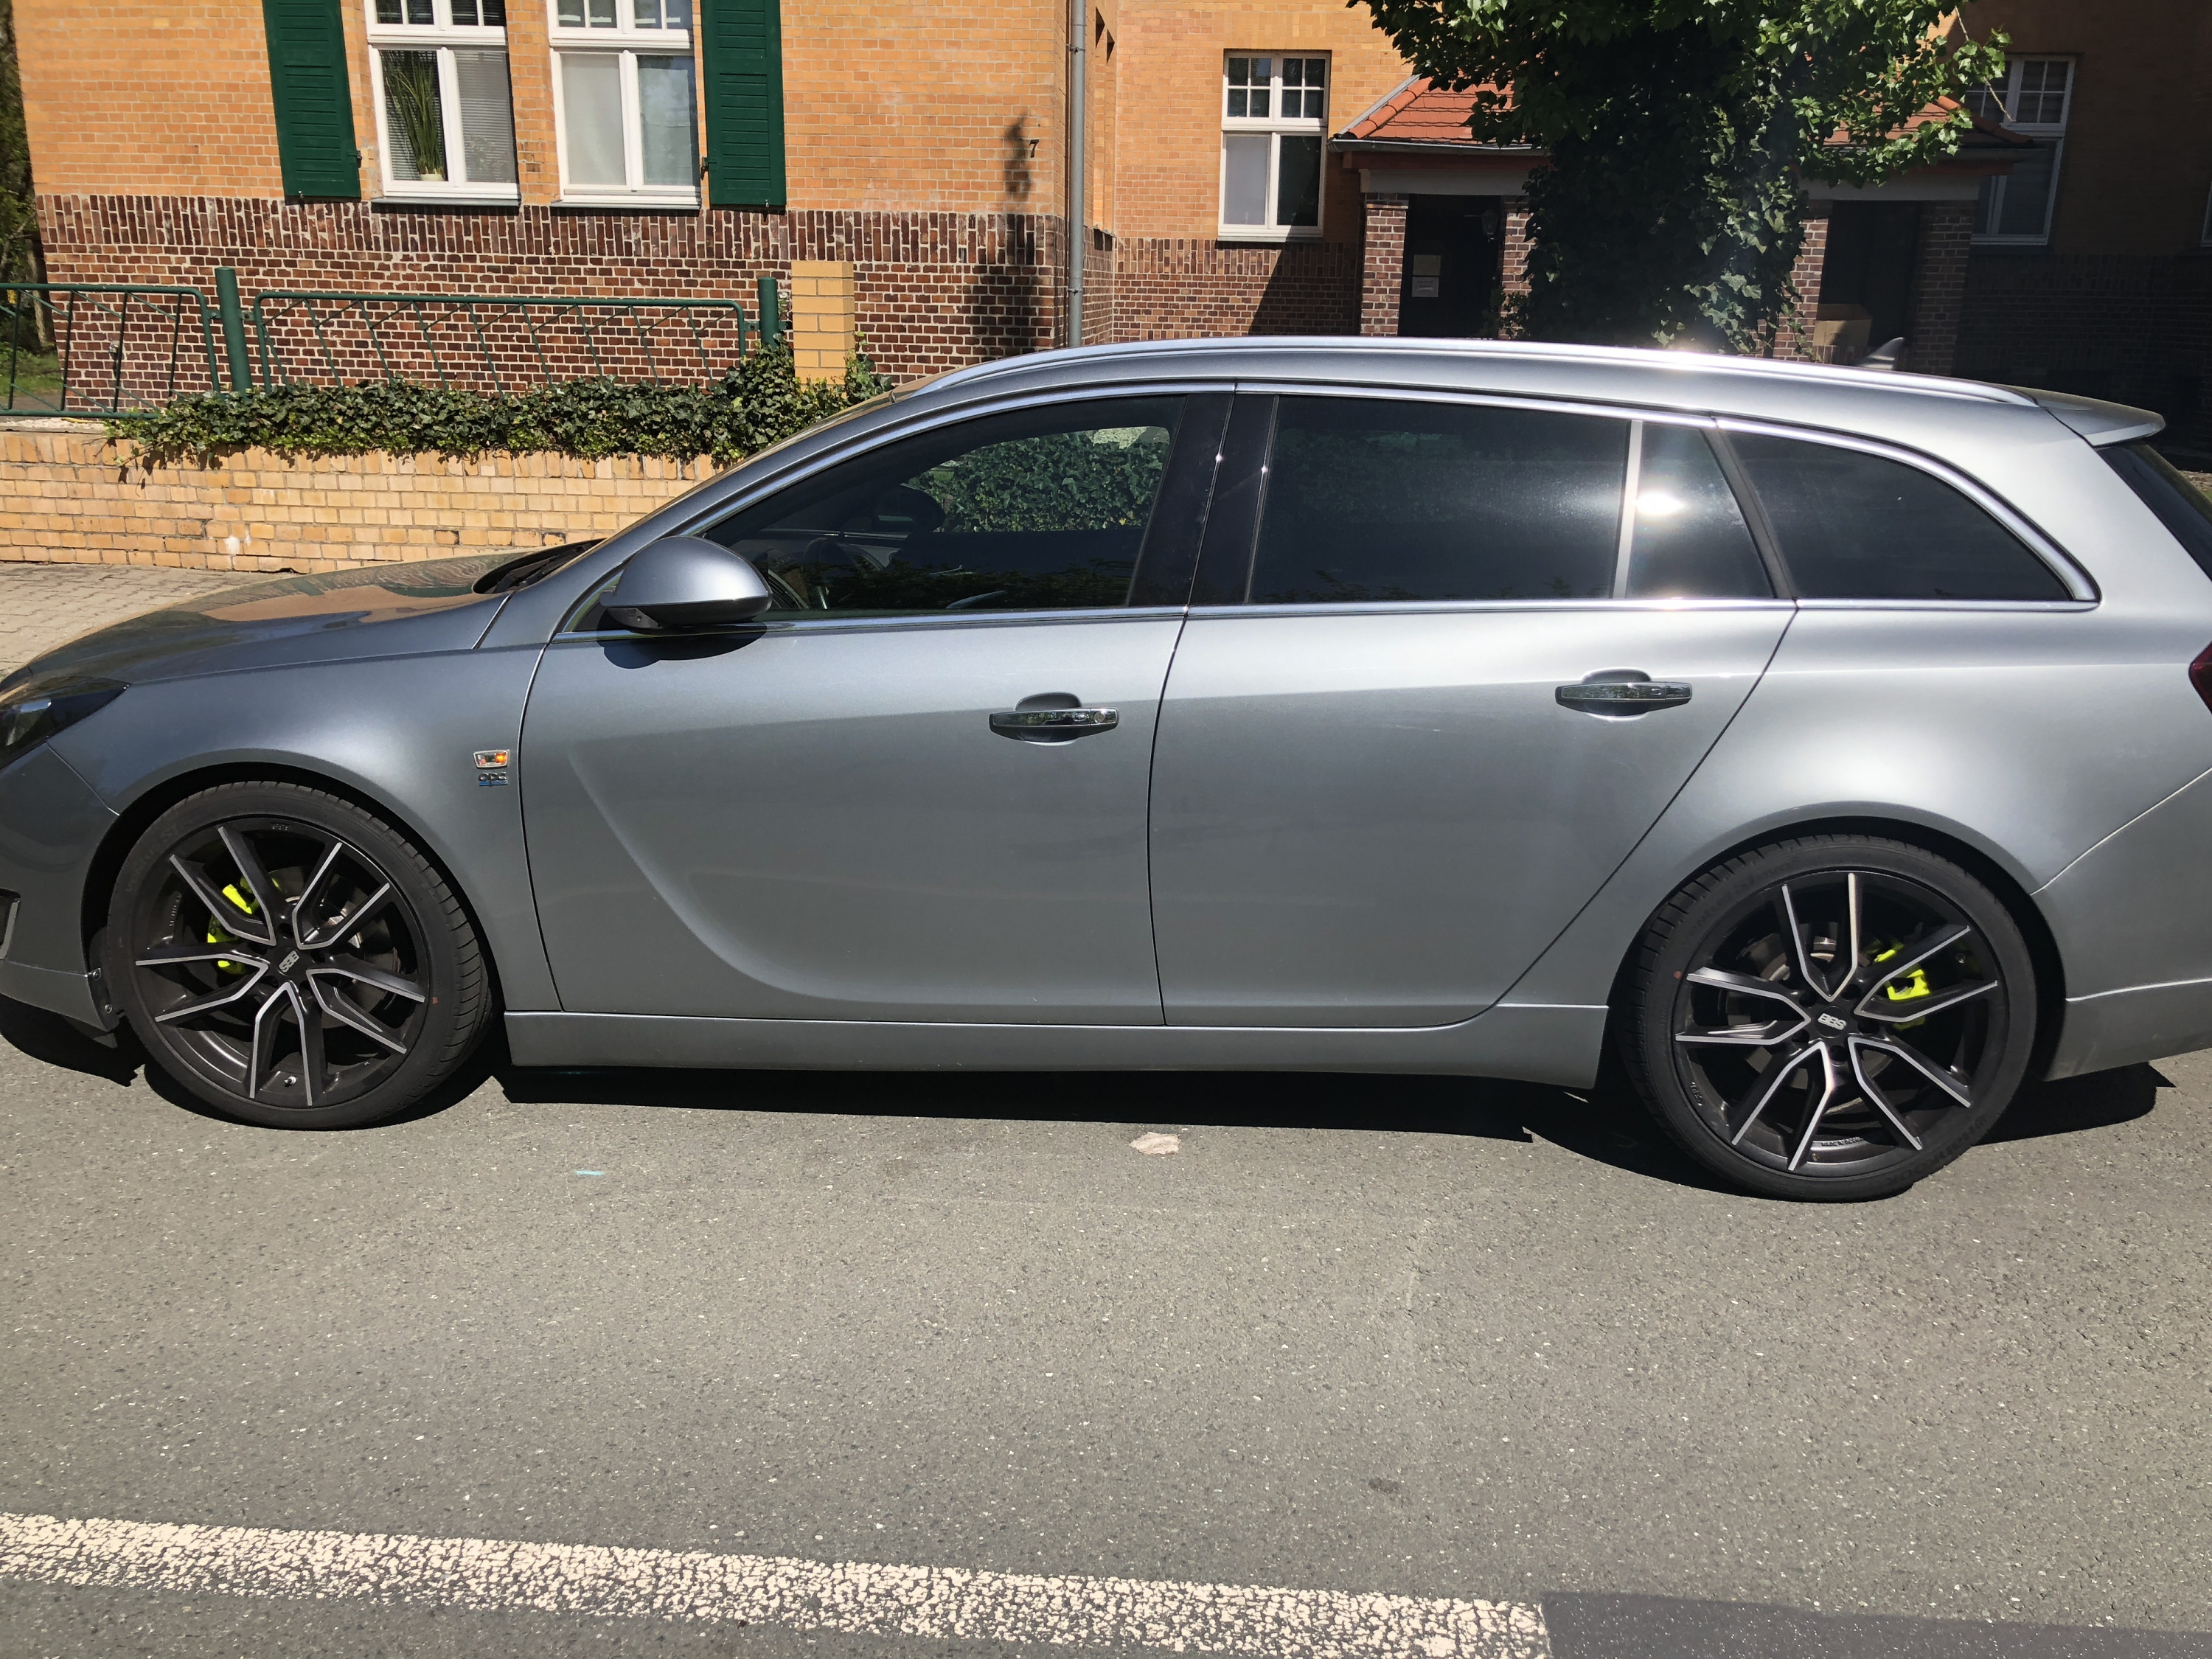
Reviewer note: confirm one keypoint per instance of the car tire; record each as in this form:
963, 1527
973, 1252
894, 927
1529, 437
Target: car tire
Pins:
293, 960
1862, 1058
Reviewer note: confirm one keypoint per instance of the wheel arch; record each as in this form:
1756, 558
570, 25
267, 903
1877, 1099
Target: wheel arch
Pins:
2047, 959
134, 820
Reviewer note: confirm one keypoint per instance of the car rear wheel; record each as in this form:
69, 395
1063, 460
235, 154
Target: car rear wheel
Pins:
293, 960
1830, 1018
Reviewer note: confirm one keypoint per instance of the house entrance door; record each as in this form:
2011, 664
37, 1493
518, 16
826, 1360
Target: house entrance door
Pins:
1449, 287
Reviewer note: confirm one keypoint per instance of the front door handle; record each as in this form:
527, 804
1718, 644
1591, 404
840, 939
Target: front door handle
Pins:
1617, 694
1052, 724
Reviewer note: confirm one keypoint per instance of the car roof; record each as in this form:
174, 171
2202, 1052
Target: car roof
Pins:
1918, 409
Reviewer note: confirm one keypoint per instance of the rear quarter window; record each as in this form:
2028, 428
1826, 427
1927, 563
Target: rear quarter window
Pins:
1852, 526
2180, 505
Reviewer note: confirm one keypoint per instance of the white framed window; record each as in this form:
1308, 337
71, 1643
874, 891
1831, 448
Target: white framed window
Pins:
2032, 101
445, 115
625, 102
1274, 114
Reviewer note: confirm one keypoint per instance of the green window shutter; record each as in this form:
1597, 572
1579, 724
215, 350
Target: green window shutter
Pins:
315, 103
743, 43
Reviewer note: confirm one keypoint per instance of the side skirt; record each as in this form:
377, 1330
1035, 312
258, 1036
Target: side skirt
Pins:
1549, 1043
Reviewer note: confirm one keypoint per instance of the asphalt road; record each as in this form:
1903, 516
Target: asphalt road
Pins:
1424, 1337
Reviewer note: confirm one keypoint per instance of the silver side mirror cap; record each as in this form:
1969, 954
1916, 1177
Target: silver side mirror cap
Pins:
683, 581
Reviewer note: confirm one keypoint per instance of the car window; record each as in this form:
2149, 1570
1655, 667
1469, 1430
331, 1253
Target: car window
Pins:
1369, 499
1039, 510
1691, 540
1853, 526
2180, 505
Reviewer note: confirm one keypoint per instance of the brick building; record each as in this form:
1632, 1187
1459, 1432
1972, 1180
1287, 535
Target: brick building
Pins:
2091, 269
1249, 165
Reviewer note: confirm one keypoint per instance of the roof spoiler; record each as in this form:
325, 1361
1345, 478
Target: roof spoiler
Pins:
2100, 422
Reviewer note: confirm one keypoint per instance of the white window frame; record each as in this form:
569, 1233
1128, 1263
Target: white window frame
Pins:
1274, 124
441, 36
625, 41
2052, 132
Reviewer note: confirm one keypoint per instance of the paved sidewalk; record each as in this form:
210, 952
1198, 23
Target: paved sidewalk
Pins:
43, 605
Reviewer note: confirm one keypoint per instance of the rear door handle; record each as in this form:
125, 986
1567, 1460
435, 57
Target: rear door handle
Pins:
1052, 724
1623, 696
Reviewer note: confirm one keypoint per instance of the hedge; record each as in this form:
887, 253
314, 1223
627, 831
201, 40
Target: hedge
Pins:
760, 402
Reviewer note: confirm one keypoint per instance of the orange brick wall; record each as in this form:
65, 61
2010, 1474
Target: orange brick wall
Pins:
69, 496
144, 97
909, 135
1167, 164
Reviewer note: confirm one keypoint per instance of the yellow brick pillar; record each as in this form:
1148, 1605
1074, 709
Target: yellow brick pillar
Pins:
821, 317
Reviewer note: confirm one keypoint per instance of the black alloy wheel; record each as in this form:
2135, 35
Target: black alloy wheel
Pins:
292, 960
1832, 1018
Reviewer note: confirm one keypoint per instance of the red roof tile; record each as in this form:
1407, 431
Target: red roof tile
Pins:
1419, 112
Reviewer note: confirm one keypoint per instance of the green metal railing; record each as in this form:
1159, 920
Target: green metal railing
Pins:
476, 337
104, 348
111, 347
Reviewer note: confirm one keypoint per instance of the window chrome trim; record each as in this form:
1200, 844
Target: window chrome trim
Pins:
1428, 394
1500, 607
2080, 585
1953, 607
830, 623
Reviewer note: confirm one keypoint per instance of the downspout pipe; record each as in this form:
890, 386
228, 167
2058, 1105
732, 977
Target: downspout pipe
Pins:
1079, 235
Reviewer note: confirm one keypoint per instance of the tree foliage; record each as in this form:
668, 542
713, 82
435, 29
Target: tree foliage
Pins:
19, 220
1677, 131
760, 402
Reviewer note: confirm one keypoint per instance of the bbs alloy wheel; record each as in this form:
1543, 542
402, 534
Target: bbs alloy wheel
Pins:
292, 960
1832, 1018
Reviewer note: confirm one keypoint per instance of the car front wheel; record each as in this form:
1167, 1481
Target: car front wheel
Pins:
293, 960
1835, 1016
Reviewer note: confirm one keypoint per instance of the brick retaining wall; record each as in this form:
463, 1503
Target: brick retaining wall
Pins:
69, 496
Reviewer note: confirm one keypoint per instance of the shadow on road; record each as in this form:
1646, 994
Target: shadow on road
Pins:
1663, 1627
1607, 1124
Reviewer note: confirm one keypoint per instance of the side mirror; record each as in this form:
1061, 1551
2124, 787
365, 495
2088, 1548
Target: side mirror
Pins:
685, 582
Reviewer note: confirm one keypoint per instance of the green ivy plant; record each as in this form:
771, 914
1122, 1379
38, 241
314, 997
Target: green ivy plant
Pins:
760, 402
1678, 131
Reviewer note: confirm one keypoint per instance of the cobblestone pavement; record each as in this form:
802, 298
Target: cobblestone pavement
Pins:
43, 605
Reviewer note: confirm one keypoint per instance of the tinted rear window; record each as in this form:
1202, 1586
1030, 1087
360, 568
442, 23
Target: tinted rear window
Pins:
1858, 526
2180, 504
1369, 500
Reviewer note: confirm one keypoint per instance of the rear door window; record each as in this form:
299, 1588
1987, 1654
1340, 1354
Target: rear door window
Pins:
1379, 500
2180, 505
1853, 526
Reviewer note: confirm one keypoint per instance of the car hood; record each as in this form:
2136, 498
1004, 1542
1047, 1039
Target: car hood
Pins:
398, 611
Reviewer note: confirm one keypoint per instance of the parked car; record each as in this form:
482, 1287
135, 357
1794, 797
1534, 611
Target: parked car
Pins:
1837, 742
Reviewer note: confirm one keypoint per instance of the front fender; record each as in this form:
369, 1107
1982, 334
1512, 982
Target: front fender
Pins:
401, 734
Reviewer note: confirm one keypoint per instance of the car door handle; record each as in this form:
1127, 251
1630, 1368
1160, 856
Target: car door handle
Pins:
1623, 696
1050, 723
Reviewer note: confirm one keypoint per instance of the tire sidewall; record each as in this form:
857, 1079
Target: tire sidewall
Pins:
1715, 896
426, 1063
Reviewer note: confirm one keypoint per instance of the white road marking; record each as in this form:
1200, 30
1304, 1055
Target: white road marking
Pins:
860, 1597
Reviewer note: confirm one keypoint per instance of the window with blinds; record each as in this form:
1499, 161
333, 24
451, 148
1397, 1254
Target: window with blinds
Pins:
625, 101
445, 112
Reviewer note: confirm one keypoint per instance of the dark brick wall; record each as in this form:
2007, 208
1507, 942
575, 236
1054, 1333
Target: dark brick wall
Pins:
2132, 328
1175, 288
936, 291
1382, 263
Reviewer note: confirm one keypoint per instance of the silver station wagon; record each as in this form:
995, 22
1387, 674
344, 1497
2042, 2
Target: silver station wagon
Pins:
1834, 743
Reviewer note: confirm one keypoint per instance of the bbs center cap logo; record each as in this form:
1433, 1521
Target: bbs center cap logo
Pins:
1830, 1021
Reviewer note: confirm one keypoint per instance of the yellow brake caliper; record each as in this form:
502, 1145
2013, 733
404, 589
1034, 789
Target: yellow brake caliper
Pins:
217, 934
1911, 988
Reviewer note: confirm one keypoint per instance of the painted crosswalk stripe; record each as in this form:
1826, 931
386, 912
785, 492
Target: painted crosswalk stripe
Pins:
855, 1597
